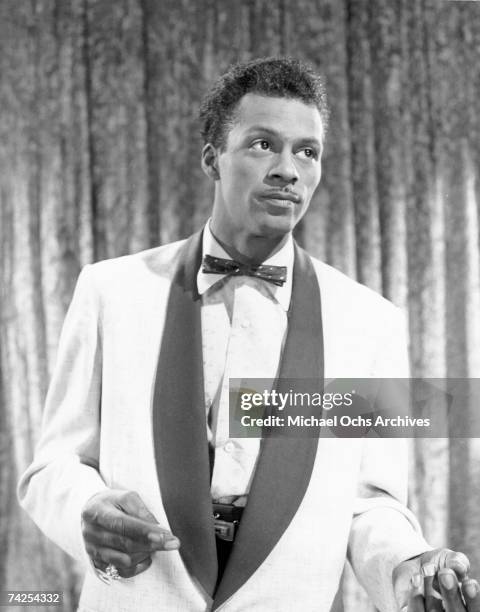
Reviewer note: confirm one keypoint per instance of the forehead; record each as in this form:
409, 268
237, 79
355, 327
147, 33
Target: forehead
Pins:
290, 117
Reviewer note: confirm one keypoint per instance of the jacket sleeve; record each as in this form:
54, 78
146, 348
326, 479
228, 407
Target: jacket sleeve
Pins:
64, 472
384, 531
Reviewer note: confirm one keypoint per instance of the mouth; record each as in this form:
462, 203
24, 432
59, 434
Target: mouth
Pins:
282, 197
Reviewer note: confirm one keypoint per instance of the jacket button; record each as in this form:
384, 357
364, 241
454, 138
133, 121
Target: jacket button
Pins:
229, 447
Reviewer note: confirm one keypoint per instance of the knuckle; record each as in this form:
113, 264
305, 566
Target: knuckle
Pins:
125, 496
90, 550
123, 544
131, 565
132, 547
127, 573
118, 542
90, 515
458, 561
462, 558
141, 567
96, 555
87, 514
91, 508
117, 525
131, 496
125, 562
139, 558
91, 533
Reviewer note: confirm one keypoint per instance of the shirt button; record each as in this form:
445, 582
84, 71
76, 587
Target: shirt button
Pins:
229, 447
244, 324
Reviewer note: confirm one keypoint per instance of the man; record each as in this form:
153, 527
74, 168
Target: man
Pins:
135, 457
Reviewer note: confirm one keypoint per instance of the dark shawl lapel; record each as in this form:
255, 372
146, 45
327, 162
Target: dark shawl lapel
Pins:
179, 428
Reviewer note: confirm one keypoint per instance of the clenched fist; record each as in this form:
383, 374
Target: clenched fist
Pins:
436, 581
118, 529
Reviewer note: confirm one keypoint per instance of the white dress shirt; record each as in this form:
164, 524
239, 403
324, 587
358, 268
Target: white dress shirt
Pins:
244, 325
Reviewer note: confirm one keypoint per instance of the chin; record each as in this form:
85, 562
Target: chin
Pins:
273, 221
277, 226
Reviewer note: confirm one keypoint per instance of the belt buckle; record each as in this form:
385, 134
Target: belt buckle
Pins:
225, 530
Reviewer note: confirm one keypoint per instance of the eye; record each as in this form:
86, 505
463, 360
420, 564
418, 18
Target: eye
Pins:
309, 153
261, 145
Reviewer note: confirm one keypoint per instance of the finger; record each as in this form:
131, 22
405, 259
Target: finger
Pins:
416, 601
116, 521
137, 569
164, 540
471, 592
458, 562
100, 537
433, 599
103, 556
433, 602
125, 564
133, 504
450, 590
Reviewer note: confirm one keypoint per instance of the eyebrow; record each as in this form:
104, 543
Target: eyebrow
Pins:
266, 130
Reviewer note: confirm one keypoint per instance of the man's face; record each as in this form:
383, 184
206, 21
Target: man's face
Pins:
269, 168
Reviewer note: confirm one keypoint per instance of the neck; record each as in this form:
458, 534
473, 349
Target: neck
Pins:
252, 250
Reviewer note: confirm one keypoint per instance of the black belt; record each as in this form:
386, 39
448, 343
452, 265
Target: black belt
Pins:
227, 519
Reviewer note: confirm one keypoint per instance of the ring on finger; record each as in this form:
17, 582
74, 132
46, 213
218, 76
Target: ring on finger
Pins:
112, 572
107, 575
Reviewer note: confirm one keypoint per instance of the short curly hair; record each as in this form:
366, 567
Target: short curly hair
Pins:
273, 76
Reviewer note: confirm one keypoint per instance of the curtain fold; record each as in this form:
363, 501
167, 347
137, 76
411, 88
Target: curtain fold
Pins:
100, 150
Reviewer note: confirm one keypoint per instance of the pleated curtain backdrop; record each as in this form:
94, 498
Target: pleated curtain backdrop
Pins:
99, 154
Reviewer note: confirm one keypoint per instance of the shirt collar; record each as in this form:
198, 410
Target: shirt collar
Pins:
283, 257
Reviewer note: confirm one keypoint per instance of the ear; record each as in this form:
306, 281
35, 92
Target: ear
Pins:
210, 162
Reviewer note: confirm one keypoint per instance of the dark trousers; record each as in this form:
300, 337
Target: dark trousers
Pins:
224, 550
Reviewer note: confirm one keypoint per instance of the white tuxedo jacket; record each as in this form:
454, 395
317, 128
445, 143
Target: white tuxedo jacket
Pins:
309, 507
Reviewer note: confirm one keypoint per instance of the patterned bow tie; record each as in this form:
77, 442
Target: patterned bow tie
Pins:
216, 265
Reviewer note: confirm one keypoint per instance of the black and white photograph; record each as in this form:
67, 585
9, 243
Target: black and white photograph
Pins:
240, 305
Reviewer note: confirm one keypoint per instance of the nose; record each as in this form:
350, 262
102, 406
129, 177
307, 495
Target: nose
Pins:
284, 168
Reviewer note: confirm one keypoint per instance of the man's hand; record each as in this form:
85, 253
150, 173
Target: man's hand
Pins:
435, 581
119, 529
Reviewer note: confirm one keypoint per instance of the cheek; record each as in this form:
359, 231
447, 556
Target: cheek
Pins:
313, 178
241, 176
234, 174
247, 174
